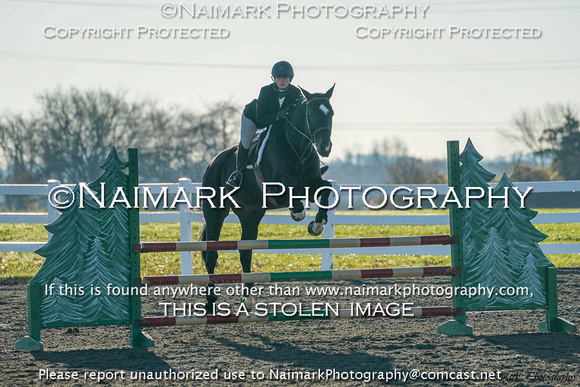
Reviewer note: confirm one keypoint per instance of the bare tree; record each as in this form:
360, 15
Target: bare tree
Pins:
563, 142
530, 126
68, 138
410, 170
224, 116
77, 128
19, 151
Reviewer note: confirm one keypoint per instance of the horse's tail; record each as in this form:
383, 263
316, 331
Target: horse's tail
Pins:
202, 232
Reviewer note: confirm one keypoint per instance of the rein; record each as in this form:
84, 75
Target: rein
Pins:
310, 136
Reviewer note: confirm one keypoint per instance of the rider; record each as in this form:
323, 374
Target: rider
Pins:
273, 104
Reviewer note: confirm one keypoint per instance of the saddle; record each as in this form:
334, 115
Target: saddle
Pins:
255, 154
256, 148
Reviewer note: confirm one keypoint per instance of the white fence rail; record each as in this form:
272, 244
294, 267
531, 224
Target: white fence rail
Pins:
185, 218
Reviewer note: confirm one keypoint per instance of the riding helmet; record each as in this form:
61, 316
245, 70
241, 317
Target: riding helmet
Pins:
282, 69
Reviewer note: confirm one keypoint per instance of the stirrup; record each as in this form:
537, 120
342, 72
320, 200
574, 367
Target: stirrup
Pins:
235, 179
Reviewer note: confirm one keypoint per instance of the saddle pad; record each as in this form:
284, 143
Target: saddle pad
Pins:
263, 145
257, 147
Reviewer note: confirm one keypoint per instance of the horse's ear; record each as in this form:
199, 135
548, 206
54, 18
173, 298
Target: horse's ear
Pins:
307, 95
328, 94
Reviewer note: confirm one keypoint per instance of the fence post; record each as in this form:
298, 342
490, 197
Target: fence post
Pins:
185, 233
458, 326
327, 260
53, 213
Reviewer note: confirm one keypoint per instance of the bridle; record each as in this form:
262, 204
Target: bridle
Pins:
309, 135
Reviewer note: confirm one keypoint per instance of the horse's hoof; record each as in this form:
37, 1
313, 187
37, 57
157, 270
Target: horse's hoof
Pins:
248, 302
315, 229
298, 216
209, 308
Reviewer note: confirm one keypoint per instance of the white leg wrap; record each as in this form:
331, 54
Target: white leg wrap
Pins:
248, 302
317, 228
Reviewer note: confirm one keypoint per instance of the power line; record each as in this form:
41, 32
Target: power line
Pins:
440, 124
437, 5
435, 129
486, 2
455, 66
500, 9
421, 128
567, 64
87, 4
54, 58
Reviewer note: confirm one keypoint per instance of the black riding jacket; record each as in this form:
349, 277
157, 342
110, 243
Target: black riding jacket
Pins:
268, 104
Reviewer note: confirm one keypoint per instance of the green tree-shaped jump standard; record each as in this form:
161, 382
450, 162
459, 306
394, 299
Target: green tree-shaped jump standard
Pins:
89, 251
500, 243
473, 175
524, 255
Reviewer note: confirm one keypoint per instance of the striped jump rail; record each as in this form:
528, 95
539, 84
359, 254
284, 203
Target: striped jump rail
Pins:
156, 247
298, 315
327, 275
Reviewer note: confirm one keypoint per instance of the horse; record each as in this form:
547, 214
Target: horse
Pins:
289, 162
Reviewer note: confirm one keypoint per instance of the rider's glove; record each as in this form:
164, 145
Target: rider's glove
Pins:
282, 113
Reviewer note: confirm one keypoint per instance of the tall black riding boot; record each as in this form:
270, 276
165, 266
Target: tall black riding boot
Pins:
235, 179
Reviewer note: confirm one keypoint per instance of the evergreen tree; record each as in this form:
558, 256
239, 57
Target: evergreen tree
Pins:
564, 145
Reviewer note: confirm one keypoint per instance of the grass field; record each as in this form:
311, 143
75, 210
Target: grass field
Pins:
19, 267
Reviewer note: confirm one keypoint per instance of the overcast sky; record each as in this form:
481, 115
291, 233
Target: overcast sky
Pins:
423, 90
